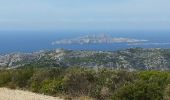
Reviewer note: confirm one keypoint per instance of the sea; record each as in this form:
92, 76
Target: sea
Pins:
32, 41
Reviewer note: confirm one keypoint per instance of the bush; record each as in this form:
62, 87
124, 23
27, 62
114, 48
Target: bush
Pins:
5, 78
167, 92
161, 78
52, 87
101, 83
140, 90
78, 81
21, 77
37, 80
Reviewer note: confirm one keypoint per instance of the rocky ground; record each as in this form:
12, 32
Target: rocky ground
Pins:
7, 94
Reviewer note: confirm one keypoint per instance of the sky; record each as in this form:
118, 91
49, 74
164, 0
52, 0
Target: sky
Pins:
84, 15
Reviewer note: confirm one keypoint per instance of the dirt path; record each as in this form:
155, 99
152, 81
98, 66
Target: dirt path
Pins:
7, 94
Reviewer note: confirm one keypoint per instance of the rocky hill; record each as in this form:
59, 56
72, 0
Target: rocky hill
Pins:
130, 59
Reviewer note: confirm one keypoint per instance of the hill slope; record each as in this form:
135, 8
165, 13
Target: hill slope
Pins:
131, 59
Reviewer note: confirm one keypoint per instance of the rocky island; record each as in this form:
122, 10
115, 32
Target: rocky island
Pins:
97, 39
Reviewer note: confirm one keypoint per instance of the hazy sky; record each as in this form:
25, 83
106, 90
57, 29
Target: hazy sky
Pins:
84, 14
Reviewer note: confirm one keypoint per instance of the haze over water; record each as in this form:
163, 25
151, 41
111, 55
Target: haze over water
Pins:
32, 25
36, 40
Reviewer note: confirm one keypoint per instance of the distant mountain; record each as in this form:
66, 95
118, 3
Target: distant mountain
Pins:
130, 59
97, 39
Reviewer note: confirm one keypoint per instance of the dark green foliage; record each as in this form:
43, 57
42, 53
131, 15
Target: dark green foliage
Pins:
42, 76
101, 83
52, 87
16, 77
139, 90
5, 77
21, 77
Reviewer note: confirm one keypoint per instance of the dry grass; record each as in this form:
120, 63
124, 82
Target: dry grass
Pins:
8, 94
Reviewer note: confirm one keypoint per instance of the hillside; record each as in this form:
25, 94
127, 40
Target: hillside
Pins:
130, 59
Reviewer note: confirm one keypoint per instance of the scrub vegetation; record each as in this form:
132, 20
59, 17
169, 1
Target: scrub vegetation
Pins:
97, 84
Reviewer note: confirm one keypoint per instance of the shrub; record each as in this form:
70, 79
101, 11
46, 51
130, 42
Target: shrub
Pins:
140, 90
5, 78
52, 87
21, 77
78, 81
101, 83
167, 92
37, 80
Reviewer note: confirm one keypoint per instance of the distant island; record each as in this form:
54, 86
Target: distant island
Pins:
97, 39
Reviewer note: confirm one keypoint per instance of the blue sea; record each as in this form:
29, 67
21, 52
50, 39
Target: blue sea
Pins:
30, 41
